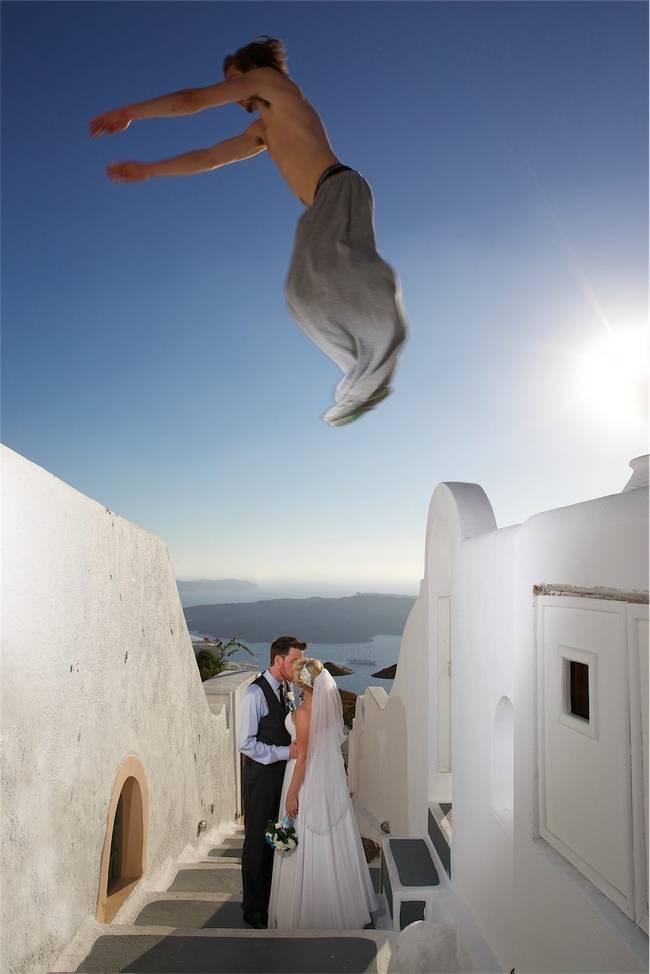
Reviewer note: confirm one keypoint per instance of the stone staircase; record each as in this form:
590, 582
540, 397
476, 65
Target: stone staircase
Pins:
409, 880
437, 930
196, 926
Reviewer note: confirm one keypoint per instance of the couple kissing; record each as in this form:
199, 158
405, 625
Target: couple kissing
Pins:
294, 768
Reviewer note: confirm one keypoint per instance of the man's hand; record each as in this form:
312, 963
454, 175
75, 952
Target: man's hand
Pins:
293, 750
114, 121
128, 172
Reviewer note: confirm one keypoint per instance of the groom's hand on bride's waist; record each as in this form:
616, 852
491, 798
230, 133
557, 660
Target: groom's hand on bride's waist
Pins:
293, 750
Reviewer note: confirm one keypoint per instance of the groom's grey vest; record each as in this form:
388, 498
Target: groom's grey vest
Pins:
271, 728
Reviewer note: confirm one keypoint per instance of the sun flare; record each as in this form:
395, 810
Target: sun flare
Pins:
611, 377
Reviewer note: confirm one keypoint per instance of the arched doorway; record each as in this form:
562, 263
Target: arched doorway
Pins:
124, 855
457, 512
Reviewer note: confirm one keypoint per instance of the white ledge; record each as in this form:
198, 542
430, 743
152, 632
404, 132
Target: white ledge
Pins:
378, 695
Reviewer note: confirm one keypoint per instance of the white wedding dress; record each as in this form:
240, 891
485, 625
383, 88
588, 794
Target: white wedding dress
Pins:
324, 883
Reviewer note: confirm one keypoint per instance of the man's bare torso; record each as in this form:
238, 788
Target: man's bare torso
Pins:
293, 133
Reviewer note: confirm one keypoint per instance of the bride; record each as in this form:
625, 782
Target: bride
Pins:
323, 884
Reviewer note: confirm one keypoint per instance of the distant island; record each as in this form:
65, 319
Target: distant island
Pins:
208, 591
352, 619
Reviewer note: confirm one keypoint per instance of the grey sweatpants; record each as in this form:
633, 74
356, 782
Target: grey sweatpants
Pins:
341, 292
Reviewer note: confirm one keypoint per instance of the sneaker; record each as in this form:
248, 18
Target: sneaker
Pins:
346, 412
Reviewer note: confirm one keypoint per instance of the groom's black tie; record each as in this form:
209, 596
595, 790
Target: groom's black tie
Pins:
283, 697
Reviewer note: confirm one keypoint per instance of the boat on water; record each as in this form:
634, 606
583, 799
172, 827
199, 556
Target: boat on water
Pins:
363, 658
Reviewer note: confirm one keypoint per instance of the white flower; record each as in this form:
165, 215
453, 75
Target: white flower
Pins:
280, 846
291, 696
278, 825
291, 844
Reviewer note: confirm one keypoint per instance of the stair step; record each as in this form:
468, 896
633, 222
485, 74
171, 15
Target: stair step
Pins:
410, 911
225, 852
413, 861
155, 951
232, 842
208, 878
375, 875
195, 914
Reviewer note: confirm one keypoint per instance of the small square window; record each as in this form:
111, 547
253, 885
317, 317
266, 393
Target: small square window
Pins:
577, 677
577, 695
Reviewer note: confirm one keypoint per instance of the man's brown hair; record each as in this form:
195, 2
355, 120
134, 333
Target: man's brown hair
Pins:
264, 52
282, 645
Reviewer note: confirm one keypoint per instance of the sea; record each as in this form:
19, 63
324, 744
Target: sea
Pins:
364, 658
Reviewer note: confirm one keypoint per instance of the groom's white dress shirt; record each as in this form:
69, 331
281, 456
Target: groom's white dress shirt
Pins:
253, 708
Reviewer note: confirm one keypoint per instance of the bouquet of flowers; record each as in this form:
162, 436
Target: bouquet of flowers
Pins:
281, 835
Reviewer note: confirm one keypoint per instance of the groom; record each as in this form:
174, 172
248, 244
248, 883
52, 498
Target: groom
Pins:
266, 745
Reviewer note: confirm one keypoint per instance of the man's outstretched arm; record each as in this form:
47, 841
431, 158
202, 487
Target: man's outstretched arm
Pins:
249, 143
259, 82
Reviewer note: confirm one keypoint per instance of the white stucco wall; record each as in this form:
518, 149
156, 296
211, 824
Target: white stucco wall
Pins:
393, 746
483, 674
398, 732
386, 747
535, 910
562, 922
97, 665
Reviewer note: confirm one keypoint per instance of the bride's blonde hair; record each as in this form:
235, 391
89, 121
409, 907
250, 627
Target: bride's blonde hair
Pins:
306, 670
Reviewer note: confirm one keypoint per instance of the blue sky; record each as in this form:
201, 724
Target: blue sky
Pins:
148, 356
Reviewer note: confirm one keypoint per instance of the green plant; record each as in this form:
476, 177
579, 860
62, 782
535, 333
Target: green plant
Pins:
205, 663
216, 659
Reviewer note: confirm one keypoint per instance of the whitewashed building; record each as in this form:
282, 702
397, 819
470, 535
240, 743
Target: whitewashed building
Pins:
515, 736
106, 727
513, 741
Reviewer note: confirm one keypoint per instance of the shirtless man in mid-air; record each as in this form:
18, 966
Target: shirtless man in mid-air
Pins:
339, 289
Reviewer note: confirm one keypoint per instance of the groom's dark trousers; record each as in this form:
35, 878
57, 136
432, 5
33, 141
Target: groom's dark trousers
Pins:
262, 792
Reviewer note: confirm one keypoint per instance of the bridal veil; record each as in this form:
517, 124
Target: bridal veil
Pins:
325, 799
